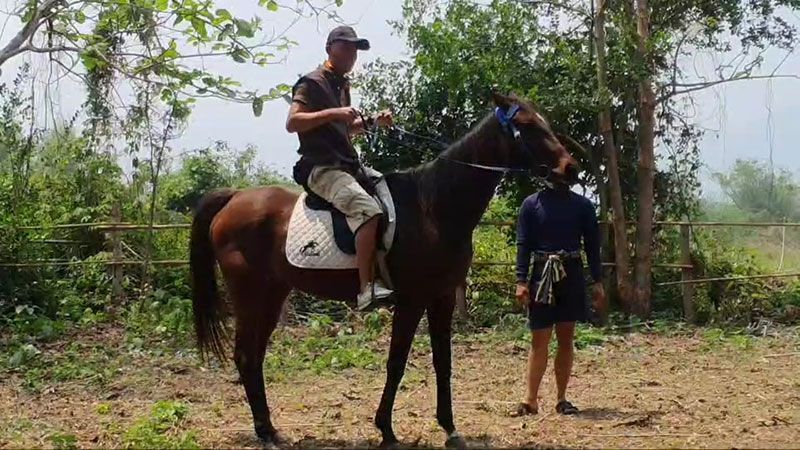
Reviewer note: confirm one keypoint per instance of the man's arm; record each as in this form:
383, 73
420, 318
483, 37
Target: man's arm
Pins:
591, 245
300, 119
525, 236
591, 242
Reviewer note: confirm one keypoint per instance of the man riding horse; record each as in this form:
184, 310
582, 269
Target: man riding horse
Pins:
437, 205
322, 117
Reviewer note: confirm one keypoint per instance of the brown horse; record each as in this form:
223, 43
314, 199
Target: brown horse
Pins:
438, 206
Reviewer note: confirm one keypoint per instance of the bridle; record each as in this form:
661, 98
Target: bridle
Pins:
506, 120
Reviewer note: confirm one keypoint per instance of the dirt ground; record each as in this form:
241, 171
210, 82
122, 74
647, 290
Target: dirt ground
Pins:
635, 391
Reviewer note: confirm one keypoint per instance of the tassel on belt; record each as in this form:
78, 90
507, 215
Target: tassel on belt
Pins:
552, 273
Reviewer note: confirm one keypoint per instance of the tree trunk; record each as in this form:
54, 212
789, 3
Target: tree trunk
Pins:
646, 168
621, 255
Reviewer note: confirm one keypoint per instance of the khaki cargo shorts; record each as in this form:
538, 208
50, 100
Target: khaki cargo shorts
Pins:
343, 191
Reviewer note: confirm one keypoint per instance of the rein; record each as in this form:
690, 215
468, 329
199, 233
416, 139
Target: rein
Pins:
505, 119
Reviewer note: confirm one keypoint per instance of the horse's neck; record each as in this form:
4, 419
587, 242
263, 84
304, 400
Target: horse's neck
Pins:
459, 193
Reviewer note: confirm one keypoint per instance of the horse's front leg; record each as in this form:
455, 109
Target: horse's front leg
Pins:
404, 324
440, 321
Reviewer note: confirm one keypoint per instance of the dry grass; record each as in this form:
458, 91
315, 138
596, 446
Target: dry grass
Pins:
636, 391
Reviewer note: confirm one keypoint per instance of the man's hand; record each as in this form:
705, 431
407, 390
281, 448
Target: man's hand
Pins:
523, 294
346, 114
383, 118
599, 300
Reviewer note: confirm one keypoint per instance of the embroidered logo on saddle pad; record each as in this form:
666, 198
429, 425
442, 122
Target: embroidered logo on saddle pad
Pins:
318, 240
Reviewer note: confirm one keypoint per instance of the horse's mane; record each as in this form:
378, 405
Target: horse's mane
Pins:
440, 174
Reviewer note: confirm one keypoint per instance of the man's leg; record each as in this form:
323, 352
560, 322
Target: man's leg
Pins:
343, 191
537, 364
565, 334
365, 251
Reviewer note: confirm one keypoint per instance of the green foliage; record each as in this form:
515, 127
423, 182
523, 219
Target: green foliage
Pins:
214, 167
329, 346
160, 317
588, 336
490, 293
717, 337
161, 429
63, 441
762, 193
156, 41
87, 363
462, 51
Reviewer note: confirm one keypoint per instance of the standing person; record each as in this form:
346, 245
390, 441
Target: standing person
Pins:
550, 227
322, 117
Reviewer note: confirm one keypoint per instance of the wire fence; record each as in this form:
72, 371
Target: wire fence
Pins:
114, 230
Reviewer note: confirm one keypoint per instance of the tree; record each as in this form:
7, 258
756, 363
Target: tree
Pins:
211, 168
655, 36
613, 78
756, 189
154, 41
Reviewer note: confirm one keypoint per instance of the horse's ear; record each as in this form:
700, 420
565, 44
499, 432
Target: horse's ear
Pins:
500, 100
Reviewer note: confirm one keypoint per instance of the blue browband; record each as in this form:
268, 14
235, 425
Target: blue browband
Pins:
506, 119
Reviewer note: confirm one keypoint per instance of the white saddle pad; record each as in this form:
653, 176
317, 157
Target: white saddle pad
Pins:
310, 243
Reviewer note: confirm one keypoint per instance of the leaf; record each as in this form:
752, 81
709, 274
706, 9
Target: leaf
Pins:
258, 106
239, 56
162, 5
244, 28
200, 27
272, 5
171, 53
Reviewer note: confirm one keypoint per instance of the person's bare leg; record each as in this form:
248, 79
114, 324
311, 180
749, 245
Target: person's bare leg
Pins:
537, 364
365, 250
565, 334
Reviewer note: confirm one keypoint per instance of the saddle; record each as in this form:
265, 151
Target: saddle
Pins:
319, 237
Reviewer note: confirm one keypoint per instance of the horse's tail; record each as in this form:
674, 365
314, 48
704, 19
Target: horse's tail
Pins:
206, 303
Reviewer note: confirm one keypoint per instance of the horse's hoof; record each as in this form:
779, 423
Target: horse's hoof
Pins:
455, 441
390, 444
269, 438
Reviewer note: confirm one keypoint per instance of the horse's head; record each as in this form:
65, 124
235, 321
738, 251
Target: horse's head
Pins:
533, 142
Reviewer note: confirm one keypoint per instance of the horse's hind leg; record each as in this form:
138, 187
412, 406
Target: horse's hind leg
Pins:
256, 319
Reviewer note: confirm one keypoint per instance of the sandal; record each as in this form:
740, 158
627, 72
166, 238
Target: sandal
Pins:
524, 409
566, 408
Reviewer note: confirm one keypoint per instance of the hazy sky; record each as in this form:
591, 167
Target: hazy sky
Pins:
737, 113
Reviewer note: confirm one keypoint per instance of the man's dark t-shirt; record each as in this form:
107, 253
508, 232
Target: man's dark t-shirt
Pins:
552, 220
328, 144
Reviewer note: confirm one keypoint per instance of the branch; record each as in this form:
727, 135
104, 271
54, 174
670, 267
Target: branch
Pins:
19, 42
60, 48
675, 61
692, 87
558, 4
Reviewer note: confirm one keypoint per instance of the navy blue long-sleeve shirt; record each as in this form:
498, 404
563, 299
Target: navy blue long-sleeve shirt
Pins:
553, 220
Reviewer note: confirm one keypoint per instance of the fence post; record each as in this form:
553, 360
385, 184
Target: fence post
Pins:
116, 269
687, 273
461, 303
285, 312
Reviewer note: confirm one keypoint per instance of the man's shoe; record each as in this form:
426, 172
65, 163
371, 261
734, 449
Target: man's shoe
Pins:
373, 291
